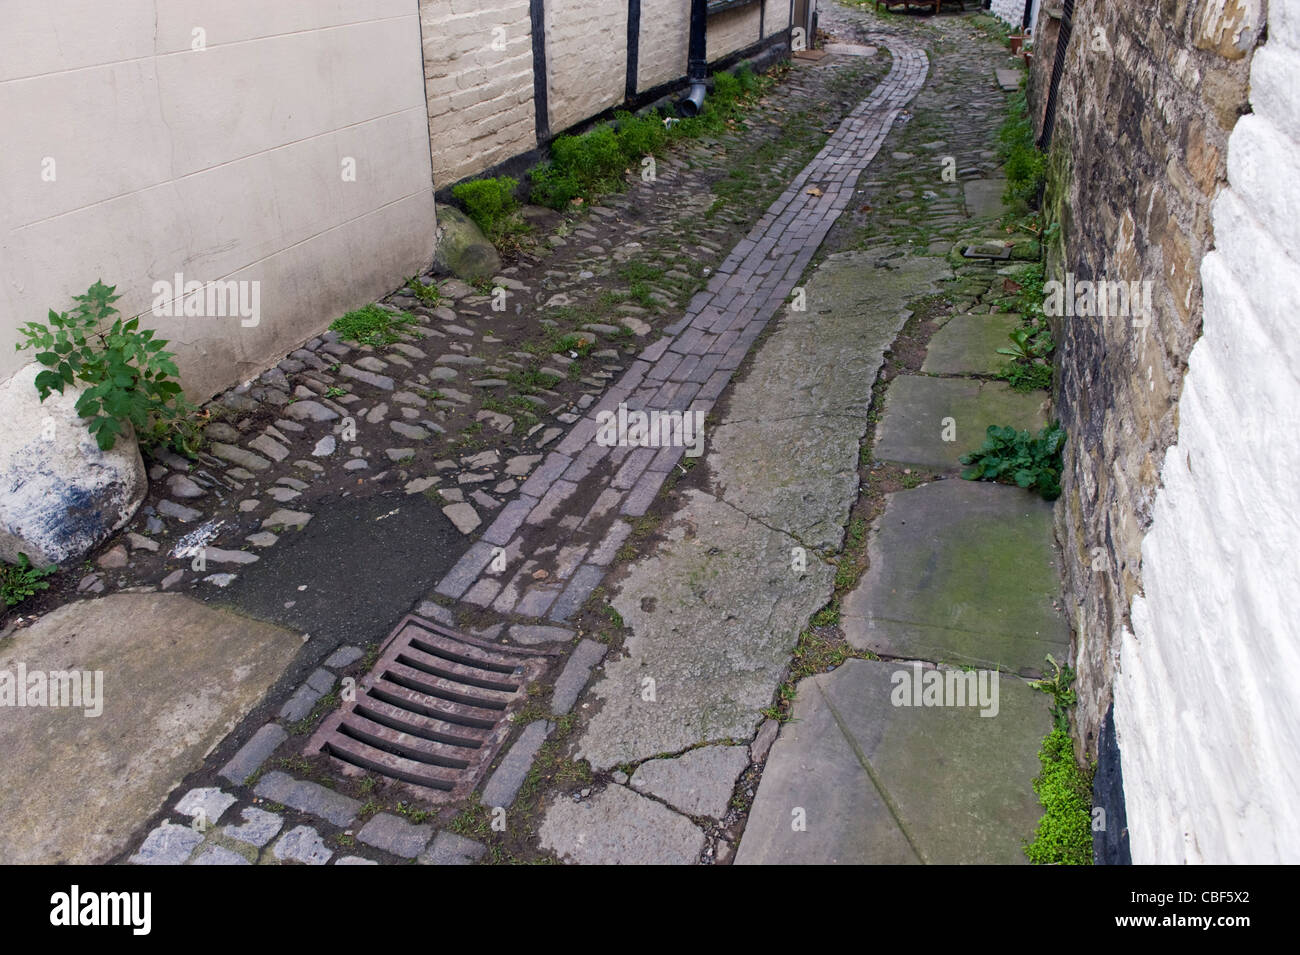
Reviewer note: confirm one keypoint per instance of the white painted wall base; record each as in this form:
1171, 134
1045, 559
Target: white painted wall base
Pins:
1207, 701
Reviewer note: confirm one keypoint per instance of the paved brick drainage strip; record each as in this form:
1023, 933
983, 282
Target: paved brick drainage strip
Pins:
433, 711
548, 549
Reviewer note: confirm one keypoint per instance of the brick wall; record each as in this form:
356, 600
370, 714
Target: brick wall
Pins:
586, 59
478, 74
733, 30
479, 69
663, 47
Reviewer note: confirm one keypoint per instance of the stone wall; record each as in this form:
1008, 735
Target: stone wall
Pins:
1207, 711
1177, 518
283, 144
1144, 110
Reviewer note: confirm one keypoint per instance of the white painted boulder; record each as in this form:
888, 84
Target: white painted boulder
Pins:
59, 494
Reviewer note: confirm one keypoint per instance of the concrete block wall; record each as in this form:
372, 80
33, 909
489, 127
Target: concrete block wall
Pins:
478, 71
1207, 709
145, 139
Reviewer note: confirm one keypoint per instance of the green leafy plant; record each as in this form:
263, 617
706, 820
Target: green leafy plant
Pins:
22, 580
1024, 377
489, 202
640, 136
1030, 367
371, 325
429, 293
1029, 344
1008, 455
128, 372
1064, 833
1058, 688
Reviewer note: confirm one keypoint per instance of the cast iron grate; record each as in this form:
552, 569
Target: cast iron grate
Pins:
433, 711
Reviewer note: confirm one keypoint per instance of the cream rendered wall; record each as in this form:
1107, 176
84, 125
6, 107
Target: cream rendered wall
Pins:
1207, 707
665, 42
478, 68
732, 30
220, 163
776, 16
586, 58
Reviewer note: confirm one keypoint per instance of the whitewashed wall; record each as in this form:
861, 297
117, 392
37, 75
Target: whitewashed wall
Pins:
220, 163
1207, 702
1012, 12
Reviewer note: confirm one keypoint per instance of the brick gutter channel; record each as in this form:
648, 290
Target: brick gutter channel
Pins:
685, 371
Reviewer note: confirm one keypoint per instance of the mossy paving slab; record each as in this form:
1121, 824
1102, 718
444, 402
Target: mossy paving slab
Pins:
968, 345
984, 198
961, 572
912, 429
885, 784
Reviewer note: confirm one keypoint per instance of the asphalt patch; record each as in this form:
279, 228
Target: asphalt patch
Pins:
353, 572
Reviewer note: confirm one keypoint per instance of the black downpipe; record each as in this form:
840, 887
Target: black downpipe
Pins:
697, 65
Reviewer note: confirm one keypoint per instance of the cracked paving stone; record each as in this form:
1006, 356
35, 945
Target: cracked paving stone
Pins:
169, 844
618, 827
699, 782
395, 835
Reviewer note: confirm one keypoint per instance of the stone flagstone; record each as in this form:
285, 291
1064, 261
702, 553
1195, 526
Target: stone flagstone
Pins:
918, 409
962, 572
876, 783
968, 345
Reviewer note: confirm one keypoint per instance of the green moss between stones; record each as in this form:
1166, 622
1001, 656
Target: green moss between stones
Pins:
1064, 834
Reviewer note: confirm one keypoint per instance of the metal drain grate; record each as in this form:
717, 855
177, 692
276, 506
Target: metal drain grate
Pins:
433, 711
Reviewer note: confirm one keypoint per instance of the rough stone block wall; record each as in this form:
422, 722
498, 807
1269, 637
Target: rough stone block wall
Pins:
1146, 104
478, 77
732, 30
586, 59
1206, 702
1148, 99
664, 42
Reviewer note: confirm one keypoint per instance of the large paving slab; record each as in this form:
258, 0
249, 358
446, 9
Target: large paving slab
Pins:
787, 449
917, 408
984, 198
961, 572
618, 827
968, 345
177, 676
713, 615
875, 783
